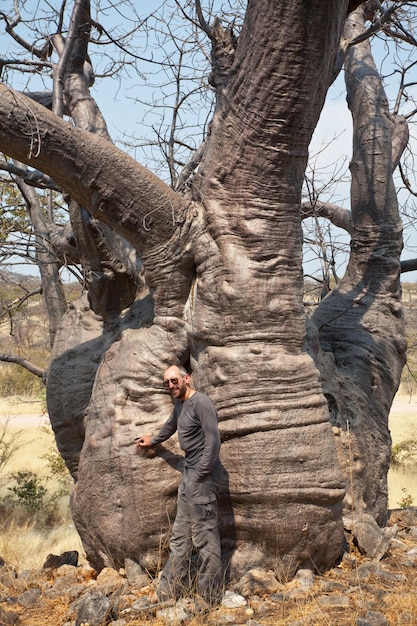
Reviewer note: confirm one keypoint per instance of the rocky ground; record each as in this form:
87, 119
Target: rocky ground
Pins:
376, 588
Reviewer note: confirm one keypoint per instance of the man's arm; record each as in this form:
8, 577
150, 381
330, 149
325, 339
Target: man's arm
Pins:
167, 430
207, 415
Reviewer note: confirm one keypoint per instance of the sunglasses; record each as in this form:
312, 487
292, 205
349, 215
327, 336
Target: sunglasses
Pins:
173, 381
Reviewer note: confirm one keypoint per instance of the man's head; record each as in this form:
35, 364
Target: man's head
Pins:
177, 382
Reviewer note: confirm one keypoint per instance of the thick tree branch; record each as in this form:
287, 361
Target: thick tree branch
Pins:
92, 170
31, 367
52, 289
337, 215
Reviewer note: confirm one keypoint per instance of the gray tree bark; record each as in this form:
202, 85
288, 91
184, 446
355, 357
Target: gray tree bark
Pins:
360, 324
223, 269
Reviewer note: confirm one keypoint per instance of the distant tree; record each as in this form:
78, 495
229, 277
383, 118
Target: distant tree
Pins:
210, 274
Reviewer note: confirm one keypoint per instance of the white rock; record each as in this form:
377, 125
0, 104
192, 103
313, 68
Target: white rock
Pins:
232, 600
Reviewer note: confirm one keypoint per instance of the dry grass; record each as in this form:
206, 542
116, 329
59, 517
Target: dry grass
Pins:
25, 543
403, 425
26, 546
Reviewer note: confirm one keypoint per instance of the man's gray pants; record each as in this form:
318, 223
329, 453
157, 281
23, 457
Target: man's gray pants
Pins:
196, 525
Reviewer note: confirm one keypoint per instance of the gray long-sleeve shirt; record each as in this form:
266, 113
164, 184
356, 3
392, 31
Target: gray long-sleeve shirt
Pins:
196, 421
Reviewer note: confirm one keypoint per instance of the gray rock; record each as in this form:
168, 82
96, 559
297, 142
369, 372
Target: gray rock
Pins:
377, 573
135, 575
304, 578
109, 581
372, 618
8, 618
178, 614
412, 553
370, 538
93, 607
257, 582
29, 598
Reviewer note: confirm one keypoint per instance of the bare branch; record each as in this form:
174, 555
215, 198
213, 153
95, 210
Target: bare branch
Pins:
34, 178
11, 306
79, 13
337, 215
41, 53
406, 181
206, 28
31, 367
408, 266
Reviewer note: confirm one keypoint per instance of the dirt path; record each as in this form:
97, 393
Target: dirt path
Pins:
21, 413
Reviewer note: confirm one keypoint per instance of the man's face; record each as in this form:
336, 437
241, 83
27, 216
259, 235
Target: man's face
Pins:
176, 384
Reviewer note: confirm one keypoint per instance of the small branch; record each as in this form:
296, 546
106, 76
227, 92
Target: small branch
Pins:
31, 367
376, 26
19, 301
206, 28
190, 167
34, 178
400, 135
406, 181
408, 266
337, 215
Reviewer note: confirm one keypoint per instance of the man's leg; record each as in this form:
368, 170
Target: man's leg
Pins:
175, 574
206, 538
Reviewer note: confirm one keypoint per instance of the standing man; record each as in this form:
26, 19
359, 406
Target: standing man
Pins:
196, 524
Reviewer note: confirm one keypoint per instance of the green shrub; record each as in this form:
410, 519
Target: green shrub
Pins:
407, 499
29, 491
58, 473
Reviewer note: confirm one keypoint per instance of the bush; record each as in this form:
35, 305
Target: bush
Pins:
29, 490
9, 444
405, 453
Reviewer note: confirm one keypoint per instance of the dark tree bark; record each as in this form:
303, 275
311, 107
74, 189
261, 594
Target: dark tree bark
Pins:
222, 264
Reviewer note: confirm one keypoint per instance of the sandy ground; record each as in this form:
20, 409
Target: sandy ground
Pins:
21, 413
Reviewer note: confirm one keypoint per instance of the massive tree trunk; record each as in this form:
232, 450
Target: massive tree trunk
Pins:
360, 323
223, 267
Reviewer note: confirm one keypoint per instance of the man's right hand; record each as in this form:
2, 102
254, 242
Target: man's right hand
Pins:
144, 441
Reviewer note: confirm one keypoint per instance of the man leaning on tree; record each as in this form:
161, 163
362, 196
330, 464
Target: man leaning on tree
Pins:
196, 523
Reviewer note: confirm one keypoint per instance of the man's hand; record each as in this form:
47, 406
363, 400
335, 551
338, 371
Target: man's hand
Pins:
144, 441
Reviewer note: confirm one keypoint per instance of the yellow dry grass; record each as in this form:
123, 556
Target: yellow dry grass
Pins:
403, 425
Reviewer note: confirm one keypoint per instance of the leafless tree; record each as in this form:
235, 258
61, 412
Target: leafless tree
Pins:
303, 404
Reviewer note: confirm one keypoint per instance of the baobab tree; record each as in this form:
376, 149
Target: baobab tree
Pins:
303, 404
